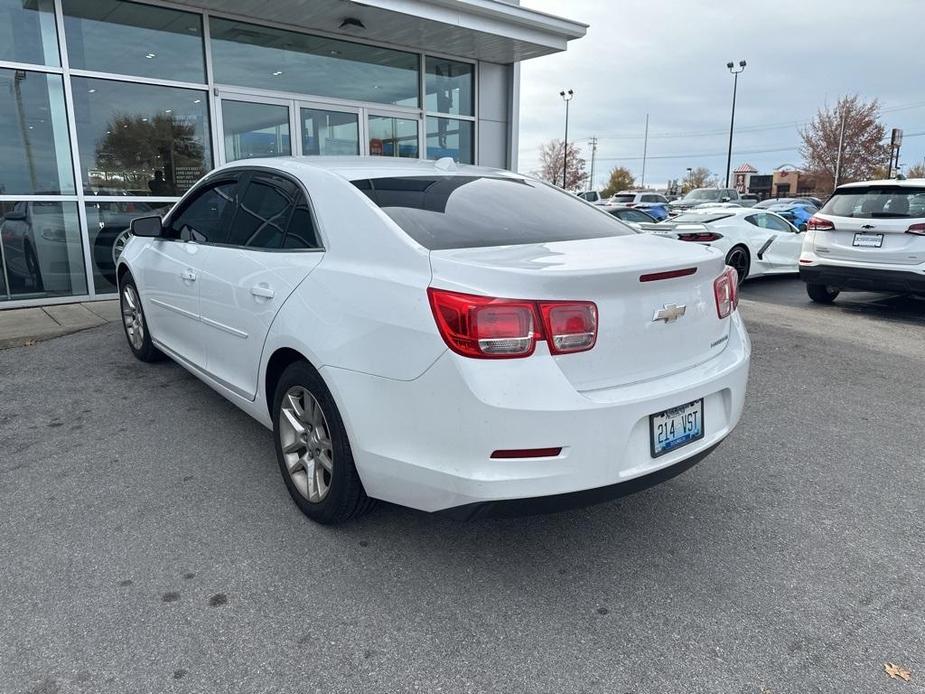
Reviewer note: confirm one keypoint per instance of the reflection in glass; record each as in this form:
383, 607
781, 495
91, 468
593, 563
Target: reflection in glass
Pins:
393, 137
140, 139
330, 132
35, 155
134, 39
108, 227
42, 255
255, 130
27, 32
448, 87
268, 58
447, 137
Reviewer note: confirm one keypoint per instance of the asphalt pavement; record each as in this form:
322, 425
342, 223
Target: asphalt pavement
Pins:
148, 543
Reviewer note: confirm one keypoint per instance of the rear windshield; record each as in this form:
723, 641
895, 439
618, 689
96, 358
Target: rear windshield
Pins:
441, 212
706, 194
624, 197
694, 218
877, 202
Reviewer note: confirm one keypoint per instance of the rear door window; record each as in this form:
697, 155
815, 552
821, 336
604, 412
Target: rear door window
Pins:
441, 212
875, 202
263, 212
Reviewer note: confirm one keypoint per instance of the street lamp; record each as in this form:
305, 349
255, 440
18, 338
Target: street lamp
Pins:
690, 178
732, 122
566, 97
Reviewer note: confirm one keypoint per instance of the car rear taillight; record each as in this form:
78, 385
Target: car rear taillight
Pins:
700, 236
917, 229
569, 326
484, 327
818, 224
726, 292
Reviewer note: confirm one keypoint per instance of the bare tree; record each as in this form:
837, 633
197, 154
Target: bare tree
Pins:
699, 178
916, 171
551, 165
620, 179
862, 147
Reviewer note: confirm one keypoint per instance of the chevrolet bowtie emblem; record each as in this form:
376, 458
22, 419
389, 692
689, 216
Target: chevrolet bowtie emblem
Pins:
669, 313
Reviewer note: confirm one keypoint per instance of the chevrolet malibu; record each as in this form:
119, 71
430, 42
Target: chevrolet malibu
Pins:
449, 338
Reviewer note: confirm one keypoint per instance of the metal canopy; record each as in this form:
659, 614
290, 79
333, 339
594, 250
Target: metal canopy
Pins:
488, 30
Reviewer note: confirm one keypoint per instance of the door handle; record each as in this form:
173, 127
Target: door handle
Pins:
262, 291
188, 275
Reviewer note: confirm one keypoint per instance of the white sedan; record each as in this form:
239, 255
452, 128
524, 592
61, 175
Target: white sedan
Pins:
755, 242
453, 339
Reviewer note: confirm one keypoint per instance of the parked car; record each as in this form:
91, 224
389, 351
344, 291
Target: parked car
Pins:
771, 203
590, 196
39, 255
631, 216
797, 213
698, 196
748, 199
869, 236
650, 203
446, 337
754, 242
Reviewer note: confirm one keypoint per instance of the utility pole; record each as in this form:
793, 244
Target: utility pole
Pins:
593, 153
645, 149
732, 122
841, 143
566, 97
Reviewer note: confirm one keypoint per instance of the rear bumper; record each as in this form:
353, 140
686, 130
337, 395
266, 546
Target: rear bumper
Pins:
864, 279
512, 508
427, 443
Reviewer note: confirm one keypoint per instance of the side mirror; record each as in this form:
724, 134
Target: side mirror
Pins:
724, 199
150, 227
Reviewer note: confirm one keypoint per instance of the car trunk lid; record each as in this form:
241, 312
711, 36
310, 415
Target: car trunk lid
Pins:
623, 276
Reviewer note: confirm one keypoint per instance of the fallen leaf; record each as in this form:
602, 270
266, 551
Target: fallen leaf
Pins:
896, 672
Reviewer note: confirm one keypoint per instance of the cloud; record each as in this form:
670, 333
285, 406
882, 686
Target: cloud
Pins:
668, 58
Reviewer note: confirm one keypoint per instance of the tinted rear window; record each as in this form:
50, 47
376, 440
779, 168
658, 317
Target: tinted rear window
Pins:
627, 197
441, 212
876, 202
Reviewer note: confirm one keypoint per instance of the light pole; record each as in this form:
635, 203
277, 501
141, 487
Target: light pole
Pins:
732, 122
690, 178
566, 97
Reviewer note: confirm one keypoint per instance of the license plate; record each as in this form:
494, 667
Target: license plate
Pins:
674, 428
868, 240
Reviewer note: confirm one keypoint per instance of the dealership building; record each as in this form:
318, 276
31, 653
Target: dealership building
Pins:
111, 110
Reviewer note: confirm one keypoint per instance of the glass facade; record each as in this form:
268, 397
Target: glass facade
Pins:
35, 153
133, 39
28, 33
110, 112
262, 57
41, 250
140, 139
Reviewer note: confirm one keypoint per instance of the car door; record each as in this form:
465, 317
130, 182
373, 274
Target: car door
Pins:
271, 247
169, 267
783, 251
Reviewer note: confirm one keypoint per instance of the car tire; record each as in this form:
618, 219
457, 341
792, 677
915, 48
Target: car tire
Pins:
738, 258
134, 323
312, 449
821, 293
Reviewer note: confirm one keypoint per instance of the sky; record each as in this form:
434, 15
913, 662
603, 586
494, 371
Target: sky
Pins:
668, 58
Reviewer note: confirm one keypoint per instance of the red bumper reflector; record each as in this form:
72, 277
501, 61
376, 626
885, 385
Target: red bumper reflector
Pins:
527, 453
656, 276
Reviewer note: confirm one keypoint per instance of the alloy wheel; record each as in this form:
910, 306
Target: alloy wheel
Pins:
132, 317
738, 259
305, 441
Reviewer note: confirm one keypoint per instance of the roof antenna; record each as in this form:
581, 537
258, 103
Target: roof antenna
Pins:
445, 164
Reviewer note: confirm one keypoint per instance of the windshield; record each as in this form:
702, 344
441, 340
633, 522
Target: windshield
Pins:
875, 202
704, 194
441, 212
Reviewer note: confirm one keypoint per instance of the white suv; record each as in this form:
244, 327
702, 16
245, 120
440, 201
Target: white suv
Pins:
869, 236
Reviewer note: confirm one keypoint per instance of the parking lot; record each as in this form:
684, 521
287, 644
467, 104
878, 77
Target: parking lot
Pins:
149, 544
